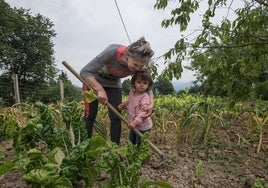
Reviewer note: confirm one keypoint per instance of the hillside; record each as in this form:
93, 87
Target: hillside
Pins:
181, 85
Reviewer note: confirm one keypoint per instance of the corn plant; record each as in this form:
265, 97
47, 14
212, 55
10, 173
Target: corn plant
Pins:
258, 122
197, 121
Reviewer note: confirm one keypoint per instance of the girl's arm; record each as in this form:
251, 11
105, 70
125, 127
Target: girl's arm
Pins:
141, 113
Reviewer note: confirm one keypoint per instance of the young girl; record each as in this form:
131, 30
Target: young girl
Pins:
138, 100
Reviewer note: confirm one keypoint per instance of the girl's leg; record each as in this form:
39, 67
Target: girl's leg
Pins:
138, 139
132, 137
114, 98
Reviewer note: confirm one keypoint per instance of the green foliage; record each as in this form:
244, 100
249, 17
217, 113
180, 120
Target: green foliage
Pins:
100, 129
89, 96
126, 85
78, 164
163, 86
262, 90
48, 126
199, 170
6, 167
8, 128
26, 49
51, 152
72, 116
228, 57
260, 183
39, 170
124, 163
197, 121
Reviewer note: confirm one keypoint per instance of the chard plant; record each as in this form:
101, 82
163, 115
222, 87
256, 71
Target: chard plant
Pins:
50, 152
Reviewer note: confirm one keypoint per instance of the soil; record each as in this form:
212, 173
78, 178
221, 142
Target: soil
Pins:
230, 160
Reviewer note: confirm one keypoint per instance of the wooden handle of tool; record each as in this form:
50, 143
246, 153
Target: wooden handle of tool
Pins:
110, 107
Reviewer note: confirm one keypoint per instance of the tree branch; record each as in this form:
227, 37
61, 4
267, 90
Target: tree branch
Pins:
262, 2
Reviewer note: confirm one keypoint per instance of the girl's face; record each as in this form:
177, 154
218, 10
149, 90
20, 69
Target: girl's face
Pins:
134, 65
141, 85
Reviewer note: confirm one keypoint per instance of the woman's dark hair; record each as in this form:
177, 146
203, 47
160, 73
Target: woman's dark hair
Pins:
140, 50
143, 75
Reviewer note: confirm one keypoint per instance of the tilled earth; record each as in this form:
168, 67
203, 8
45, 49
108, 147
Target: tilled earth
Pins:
230, 162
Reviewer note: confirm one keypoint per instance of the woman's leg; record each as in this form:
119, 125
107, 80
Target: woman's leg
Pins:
114, 98
90, 116
91, 110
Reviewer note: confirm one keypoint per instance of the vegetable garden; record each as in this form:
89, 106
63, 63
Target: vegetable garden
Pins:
208, 143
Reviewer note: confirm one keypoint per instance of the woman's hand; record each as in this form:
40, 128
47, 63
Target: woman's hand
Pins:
148, 109
101, 94
102, 97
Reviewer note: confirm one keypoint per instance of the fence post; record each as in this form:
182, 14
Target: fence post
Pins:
16, 88
61, 90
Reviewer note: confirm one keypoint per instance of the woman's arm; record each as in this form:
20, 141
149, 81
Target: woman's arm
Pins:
149, 108
101, 94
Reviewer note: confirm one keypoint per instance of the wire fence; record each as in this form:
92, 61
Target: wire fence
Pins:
30, 93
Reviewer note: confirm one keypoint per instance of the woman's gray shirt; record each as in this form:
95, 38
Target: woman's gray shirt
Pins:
106, 67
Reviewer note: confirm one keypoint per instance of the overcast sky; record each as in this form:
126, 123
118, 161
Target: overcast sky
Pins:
85, 27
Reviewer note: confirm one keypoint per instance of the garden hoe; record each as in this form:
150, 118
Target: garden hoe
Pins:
110, 107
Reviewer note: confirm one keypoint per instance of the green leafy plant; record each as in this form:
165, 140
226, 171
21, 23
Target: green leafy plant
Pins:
260, 183
199, 170
197, 121
50, 154
79, 163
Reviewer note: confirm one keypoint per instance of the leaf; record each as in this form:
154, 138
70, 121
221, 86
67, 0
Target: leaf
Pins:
72, 138
62, 182
6, 167
89, 96
59, 157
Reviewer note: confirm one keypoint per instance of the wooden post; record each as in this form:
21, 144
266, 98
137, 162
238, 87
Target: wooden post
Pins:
61, 90
16, 88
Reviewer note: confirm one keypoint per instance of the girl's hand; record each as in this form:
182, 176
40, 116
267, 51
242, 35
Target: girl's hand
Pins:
121, 107
132, 125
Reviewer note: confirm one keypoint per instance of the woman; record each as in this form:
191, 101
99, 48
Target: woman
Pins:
103, 74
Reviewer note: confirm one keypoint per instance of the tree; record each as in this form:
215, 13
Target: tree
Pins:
26, 48
163, 86
51, 94
126, 85
228, 57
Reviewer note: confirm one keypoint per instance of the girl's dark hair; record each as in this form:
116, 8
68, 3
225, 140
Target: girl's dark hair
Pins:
140, 50
143, 75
